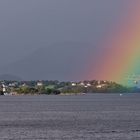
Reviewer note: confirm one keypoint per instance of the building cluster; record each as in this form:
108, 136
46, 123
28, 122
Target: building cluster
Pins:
51, 87
86, 84
8, 87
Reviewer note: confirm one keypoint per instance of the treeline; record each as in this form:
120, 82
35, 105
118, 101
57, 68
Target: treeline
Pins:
36, 90
56, 87
109, 88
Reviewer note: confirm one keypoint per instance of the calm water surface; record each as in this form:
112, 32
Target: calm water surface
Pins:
84, 117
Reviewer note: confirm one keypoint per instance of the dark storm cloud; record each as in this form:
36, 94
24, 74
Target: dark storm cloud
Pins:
26, 25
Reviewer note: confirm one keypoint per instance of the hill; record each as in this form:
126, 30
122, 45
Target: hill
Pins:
9, 77
62, 61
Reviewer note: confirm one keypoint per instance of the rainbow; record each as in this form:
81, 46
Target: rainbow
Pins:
122, 55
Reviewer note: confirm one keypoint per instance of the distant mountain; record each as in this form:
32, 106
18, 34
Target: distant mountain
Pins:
62, 61
10, 77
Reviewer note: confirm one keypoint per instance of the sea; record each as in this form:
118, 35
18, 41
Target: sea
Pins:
70, 117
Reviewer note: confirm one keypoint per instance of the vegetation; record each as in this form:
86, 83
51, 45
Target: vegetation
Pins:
56, 87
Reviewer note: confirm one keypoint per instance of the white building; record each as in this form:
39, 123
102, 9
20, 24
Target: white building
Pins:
88, 84
99, 86
39, 84
82, 84
73, 84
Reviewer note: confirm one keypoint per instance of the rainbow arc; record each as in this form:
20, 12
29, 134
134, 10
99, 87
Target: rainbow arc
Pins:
122, 55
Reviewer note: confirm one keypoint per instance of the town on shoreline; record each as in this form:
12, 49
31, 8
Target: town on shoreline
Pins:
55, 87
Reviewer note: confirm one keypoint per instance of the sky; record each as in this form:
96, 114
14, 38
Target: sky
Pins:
29, 25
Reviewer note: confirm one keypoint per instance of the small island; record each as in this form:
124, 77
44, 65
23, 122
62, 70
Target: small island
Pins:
54, 87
